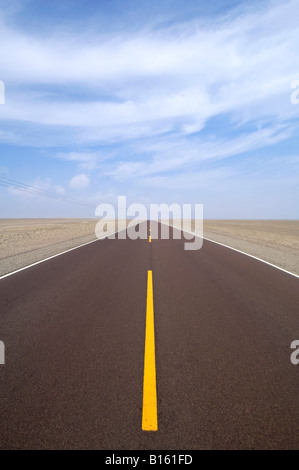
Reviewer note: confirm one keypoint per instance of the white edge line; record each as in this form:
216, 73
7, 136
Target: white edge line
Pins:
235, 249
114, 233
58, 254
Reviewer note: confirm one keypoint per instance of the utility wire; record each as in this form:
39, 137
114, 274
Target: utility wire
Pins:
10, 183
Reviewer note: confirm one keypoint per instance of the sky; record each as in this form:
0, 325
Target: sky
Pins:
161, 101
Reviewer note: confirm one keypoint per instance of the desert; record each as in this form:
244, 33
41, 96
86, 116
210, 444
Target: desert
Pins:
26, 241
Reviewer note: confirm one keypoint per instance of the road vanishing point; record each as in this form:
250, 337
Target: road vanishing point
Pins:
139, 344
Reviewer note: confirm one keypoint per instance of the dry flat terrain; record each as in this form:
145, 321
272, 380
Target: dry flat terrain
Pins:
118, 338
275, 241
25, 241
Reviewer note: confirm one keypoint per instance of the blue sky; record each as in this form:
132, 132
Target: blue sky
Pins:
162, 101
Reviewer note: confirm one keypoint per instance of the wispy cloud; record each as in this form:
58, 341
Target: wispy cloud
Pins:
170, 103
179, 153
85, 160
181, 76
80, 181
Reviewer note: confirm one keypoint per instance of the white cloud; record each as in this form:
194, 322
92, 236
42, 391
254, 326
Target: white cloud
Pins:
86, 160
80, 181
232, 46
174, 79
166, 104
179, 153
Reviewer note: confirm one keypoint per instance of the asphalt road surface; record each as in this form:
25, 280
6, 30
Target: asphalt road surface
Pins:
74, 334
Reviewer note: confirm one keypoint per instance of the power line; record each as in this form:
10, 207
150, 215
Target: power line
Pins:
10, 183
7, 182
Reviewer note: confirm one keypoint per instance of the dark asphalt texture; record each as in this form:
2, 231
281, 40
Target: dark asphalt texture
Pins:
74, 332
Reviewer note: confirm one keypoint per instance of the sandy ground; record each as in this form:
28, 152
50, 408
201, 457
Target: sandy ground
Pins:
275, 241
25, 241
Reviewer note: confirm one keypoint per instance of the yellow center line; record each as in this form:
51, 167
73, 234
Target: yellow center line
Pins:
149, 409
150, 239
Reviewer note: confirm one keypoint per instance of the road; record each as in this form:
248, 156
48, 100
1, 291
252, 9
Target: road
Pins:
74, 333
